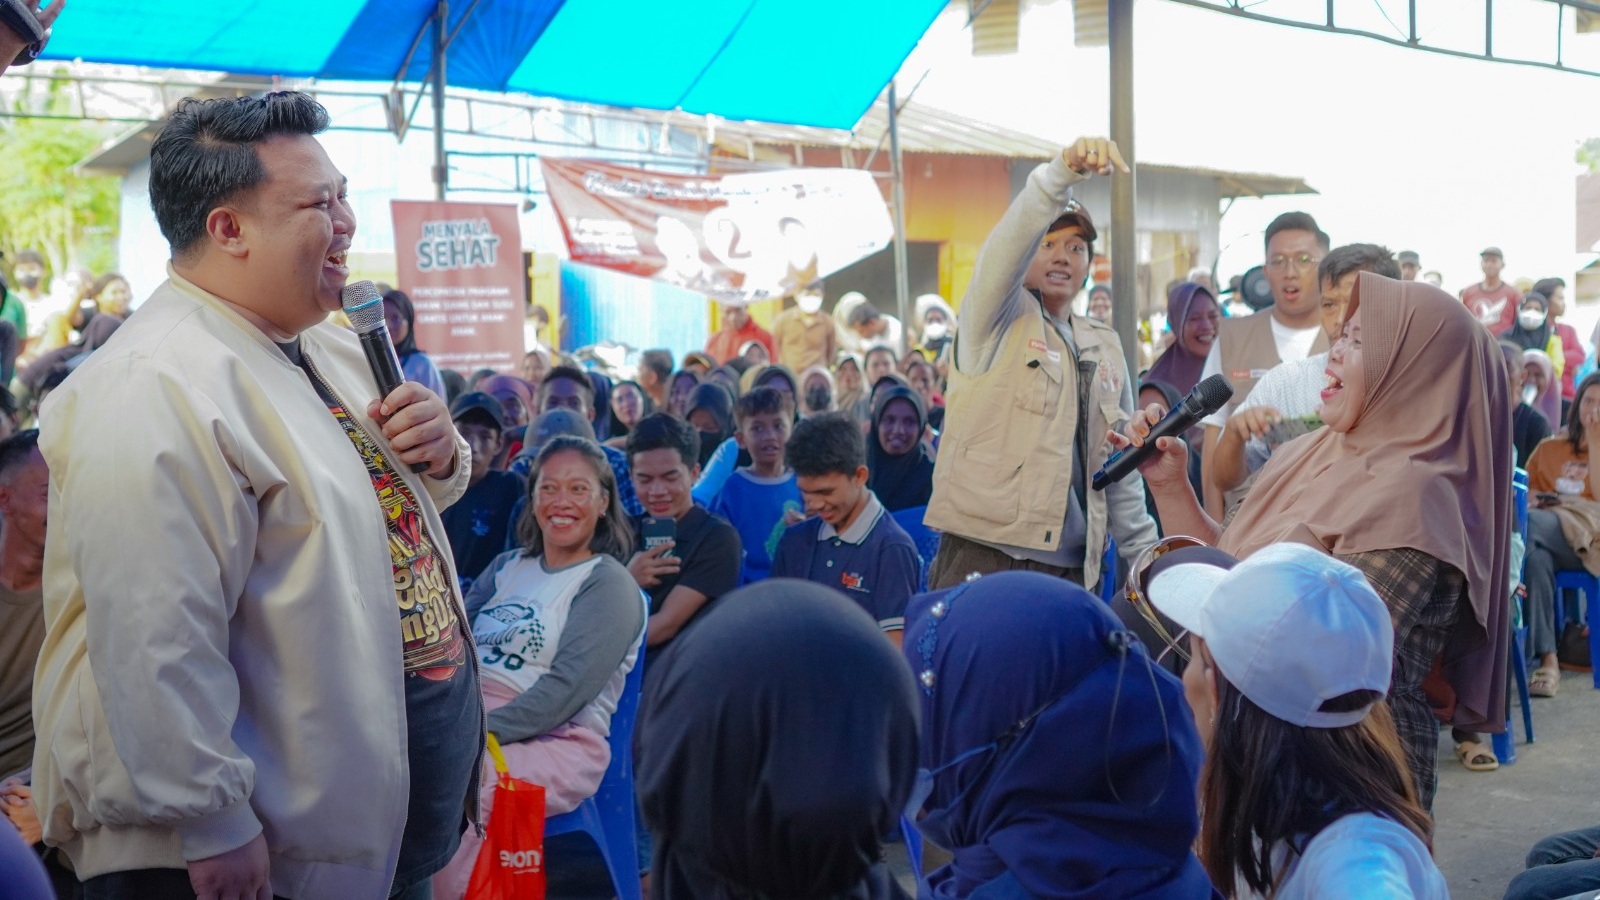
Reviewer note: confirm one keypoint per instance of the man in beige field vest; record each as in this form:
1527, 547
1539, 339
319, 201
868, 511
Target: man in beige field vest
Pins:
1288, 330
1033, 390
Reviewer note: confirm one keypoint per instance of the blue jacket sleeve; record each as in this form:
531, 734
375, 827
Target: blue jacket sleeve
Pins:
716, 472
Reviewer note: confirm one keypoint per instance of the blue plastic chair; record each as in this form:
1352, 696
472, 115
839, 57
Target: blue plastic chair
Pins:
926, 539
1505, 744
608, 816
1581, 580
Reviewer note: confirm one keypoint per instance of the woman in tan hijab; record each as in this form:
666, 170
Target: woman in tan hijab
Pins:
1410, 482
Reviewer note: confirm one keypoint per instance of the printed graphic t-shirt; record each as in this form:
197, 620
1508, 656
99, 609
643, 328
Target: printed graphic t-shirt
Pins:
443, 704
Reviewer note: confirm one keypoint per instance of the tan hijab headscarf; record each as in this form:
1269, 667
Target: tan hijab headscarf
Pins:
1427, 466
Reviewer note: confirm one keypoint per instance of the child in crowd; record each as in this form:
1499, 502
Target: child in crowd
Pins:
480, 522
851, 544
761, 499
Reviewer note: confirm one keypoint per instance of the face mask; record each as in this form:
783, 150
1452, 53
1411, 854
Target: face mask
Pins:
1530, 319
922, 788
28, 282
818, 398
1529, 394
935, 330
809, 303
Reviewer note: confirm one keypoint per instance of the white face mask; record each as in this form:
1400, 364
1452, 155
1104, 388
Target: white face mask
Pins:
935, 330
1529, 394
1530, 319
809, 303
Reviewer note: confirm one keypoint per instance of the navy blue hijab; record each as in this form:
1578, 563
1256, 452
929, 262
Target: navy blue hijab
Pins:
601, 383
1096, 795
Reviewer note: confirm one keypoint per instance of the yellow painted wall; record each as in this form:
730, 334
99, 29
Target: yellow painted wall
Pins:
950, 200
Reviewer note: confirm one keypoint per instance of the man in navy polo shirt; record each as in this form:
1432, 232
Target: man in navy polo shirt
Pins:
850, 543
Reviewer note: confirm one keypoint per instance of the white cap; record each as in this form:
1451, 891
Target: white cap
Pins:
1290, 627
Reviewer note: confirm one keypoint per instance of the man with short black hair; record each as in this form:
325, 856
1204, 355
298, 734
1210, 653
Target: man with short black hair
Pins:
1033, 390
701, 561
1494, 302
872, 328
1248, 348
1285, 401
568, 388
655, 370
1554, 291
850, 542
256, 678
479, 524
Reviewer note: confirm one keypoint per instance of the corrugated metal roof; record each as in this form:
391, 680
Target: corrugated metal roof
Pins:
924, 129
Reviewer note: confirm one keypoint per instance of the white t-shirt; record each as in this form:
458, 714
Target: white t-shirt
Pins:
1368, 856
1293, 344
1294, 389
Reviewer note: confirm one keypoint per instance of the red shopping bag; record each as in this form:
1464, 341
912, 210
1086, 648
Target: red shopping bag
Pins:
510, 865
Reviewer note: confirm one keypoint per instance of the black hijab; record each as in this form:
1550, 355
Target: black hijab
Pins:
773, 761
906, 480
602, 404
1535, 339
647, 405
775, 373
716, 399
402, 302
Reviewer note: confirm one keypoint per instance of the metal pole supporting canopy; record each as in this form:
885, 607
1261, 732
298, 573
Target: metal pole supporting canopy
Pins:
1124, 239
902, 278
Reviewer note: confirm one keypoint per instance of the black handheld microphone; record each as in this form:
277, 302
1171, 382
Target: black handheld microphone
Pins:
364, 307
1207, 397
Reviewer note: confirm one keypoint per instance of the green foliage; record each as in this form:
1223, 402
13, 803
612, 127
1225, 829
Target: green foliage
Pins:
1589, 154
46, 204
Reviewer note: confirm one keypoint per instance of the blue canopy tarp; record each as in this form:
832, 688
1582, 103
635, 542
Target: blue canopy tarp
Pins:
801, 62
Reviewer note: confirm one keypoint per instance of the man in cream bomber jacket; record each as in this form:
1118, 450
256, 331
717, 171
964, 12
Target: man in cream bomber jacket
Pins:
1033, 391
255, 679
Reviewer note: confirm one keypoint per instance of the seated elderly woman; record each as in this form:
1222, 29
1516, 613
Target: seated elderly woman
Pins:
558, 624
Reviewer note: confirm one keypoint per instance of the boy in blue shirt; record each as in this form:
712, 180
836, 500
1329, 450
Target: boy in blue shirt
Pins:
851, 544
761, 499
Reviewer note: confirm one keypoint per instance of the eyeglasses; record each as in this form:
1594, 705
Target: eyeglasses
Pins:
1301, 262
1138, 592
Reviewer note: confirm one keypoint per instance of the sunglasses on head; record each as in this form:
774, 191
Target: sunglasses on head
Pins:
1138, 593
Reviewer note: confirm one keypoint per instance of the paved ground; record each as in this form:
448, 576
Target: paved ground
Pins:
1486, 820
